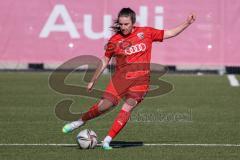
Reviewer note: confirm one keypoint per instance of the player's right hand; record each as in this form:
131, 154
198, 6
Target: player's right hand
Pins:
90, 86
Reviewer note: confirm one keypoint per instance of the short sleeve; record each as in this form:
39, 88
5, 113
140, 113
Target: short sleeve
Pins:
110, 49
156, 34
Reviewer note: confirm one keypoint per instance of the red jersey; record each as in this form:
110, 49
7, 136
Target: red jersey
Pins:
133, 48
133, 55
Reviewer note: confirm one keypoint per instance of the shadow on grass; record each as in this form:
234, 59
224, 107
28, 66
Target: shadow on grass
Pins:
124, 144
114, 144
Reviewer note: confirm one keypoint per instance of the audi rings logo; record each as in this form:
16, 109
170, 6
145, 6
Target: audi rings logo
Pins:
135, 49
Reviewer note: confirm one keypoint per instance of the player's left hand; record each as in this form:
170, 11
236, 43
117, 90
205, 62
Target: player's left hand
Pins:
191, 18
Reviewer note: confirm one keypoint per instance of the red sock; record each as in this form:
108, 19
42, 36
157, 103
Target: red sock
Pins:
119, 123
91, 113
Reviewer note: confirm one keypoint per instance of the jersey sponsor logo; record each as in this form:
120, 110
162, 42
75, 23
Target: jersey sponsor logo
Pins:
141, 47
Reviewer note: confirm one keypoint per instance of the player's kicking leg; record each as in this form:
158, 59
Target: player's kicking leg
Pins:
68, 128
96, 110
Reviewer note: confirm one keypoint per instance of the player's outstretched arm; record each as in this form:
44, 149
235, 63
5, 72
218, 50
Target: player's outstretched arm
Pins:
175, 31
105, 60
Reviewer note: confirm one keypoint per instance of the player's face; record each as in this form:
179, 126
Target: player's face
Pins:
126, 25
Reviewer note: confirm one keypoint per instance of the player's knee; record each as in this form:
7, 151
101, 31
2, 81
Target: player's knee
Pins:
105, 105
129, 105
131, 102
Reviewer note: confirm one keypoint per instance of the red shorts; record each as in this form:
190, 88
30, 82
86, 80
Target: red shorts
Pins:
122, 87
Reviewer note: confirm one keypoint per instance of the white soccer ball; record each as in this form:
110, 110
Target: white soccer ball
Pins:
87, 139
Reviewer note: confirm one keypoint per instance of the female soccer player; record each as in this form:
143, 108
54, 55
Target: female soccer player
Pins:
131, 46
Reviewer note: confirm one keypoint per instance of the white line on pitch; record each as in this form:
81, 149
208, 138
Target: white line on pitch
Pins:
233, 80
202, 145
35, 144
133, 144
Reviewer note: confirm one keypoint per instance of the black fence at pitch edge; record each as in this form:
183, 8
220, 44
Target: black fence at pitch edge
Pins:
171, 69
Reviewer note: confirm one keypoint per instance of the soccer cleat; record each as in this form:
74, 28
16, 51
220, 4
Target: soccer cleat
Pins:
106, 146
68, 128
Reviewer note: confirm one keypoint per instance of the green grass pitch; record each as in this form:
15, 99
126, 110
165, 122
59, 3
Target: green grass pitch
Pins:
200, 110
